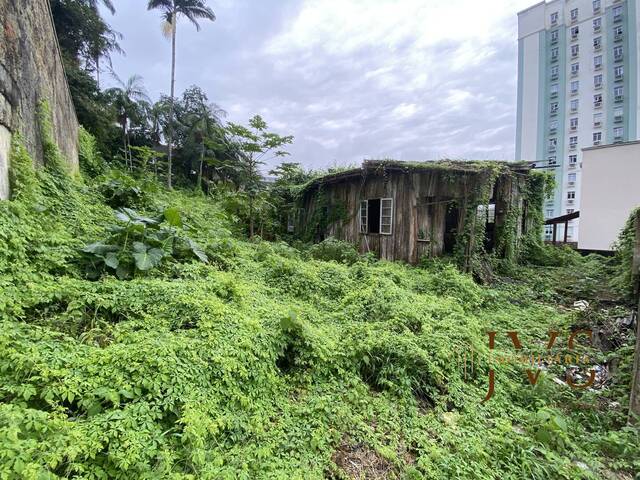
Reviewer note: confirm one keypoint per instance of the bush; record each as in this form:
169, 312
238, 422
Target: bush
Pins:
332, 249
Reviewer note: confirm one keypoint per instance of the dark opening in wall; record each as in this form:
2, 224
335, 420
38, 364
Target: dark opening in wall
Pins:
451, 220
374, 216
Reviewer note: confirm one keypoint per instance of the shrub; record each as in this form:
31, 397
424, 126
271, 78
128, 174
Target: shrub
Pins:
332, 249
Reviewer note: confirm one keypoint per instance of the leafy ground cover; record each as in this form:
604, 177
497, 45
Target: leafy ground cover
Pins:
224, 358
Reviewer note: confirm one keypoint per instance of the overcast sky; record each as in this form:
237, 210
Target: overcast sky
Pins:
350, 79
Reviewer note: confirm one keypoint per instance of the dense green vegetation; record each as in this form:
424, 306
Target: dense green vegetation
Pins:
210, 356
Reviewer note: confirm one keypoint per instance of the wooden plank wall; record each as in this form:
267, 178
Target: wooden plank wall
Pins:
421, 200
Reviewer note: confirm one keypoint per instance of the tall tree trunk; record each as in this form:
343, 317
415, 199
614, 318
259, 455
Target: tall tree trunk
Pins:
174, 28
201, 164
98, 71
251, 216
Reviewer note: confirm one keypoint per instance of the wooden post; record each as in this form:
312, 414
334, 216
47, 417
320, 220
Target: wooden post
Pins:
566, 231
634, 401
555, 227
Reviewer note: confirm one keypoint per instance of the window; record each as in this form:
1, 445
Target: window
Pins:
574, 15
554, 53
618, 132
553, 125
597, 100
573, 159
597, 24
554, 36
376, 216
574, 32
554, 72
618, 113
597, 81
617, 13
553, 142
597, 62
596, 6
573, 123
570, 211
572, 177
617, 53
386, 216
617, 33
554, 17
574, 105
597, 43
553, 108
552, 160
571, 195
548, 231
597, 119
550, 213
575, 50
619, 72
575, 68
597, 138
618, 93
554, 89
573, 141
364, 219
575, 86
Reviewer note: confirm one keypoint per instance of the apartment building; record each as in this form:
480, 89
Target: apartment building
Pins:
578, 84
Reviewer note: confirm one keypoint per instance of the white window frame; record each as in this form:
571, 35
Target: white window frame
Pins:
576, 84
574, 15
597, 24
364, 215
573, 159
386, 228
619, 130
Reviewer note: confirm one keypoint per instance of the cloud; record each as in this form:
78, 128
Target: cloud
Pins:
410, 79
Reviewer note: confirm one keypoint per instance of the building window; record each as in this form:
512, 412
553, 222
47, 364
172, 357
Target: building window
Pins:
570, 211
554, 72
553, 125
364, 216
554, 18
597, 81
572, 177
574, 105
553, 108
376, 216
597, 43
618, 114
597, 24
554, 36
554, 53
573, 123
551, 159
617, 13
597, 138
618, 30
597, 62
619, 72
596, 6
575, 50
575, 68
575, 86
597, 100
553, 90
597, 119
617, 53
550, 213
573, 159
618, 93
553, 142
574, 15
573, 142
571, 195
575, 31
618, 132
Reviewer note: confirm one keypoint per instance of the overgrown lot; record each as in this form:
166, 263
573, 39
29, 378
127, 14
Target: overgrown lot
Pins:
209, 356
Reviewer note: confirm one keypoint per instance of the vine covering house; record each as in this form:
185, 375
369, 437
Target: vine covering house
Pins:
405, 210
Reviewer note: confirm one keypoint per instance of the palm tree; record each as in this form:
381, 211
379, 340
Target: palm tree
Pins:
204, 123
171, 9
111, 37
125, 99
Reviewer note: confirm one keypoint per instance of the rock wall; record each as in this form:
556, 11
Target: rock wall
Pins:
31, 70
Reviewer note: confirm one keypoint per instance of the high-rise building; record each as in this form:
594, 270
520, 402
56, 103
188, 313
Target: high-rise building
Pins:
578, 85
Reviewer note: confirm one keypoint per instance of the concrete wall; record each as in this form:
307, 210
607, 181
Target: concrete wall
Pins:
30, 71
609, 193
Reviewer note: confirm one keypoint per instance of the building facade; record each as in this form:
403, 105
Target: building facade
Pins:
578, 85
609, 193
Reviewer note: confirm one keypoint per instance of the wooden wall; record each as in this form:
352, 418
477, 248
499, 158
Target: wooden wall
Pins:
421, 200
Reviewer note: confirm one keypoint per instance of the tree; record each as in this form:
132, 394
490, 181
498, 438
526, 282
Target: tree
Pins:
125, 100
255, 145
171, 10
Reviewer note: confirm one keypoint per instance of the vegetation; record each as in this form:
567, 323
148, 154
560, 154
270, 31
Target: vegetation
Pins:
209, 356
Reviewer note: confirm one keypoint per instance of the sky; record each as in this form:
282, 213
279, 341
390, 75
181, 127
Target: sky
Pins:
349, 79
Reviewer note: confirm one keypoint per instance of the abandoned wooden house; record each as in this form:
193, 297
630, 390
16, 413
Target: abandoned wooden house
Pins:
404, 211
